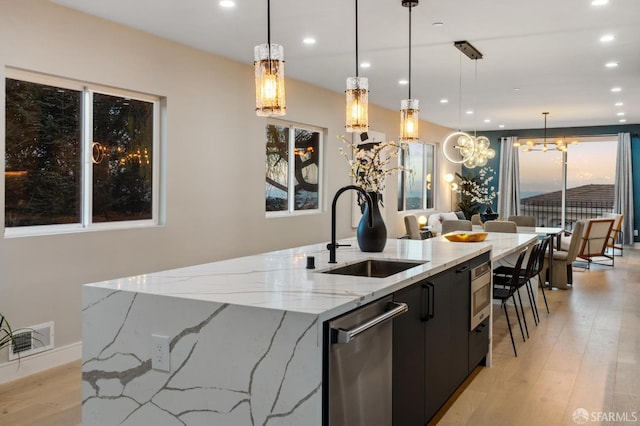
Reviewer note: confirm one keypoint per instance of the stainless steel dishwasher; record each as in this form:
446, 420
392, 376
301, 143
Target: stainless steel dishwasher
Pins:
358, 368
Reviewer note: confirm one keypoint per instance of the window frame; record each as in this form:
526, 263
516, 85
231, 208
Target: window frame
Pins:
292, 126
402, 180
86, 131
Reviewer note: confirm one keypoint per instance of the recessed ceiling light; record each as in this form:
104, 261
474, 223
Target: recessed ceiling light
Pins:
403, 82
607, 38
620, 114
469, 112
599, 2
516, 89
616, 89
487, 120
619, 104
309, 40
227, 3
444, 101
365, 65
438, 24
501, 126
611, 64
622, 120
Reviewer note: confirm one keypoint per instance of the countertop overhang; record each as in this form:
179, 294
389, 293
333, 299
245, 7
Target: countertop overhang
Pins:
279, 280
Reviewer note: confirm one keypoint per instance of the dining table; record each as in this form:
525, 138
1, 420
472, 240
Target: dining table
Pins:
554, 233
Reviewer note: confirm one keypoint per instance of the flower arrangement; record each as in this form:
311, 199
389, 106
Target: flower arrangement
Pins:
371, 163
476, 191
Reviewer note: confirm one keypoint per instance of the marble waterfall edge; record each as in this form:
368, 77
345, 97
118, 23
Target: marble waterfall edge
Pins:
229, 364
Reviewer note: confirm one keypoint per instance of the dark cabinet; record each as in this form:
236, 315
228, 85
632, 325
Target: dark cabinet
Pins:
431, 344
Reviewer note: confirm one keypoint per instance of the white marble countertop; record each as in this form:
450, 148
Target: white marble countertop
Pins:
279, 280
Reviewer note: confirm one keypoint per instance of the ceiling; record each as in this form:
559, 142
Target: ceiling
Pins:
539, 55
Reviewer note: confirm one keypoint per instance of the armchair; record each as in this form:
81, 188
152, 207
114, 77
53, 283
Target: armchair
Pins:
612, 243
595, 240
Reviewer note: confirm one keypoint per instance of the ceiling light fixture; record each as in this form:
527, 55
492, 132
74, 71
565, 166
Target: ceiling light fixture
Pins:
619, 104
460, 147
365, 65
403, 82
269, 76
616, 89
227, 4
309, 40
611, 64
444, 101
622, 120
607, 38
559, 145
357, 95
409, 108
599, 2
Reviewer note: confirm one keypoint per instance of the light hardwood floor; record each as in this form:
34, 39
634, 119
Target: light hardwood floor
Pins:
584, 354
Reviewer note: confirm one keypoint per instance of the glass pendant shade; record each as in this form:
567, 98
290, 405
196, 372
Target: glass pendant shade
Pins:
409, 120
269, 75
357, 119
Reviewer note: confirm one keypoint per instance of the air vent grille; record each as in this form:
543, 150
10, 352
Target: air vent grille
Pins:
32, 340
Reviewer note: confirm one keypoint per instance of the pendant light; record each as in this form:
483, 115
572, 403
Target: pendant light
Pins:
357, 92
409, 108
269, 76
558, 145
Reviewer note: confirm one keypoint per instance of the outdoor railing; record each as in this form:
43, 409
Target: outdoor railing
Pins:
550, 213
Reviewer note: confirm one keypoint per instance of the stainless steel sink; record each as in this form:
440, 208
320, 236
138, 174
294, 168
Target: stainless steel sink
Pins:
375, 268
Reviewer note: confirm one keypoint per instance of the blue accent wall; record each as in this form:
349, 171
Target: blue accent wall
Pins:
633, 129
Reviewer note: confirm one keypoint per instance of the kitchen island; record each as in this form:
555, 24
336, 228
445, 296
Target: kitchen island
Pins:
243, 337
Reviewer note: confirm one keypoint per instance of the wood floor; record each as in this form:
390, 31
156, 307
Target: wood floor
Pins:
584, 354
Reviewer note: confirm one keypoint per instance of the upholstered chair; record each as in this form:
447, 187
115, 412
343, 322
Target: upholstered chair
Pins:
456, 225
500, 226
563, 260
412, 228
529, 221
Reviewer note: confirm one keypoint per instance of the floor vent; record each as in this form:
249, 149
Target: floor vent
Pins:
32, 340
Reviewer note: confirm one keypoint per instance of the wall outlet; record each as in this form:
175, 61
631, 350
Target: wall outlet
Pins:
635, 232
160, 356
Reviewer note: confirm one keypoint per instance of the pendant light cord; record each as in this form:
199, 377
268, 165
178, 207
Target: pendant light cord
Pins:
460, 93
269, 33
410, 3
475, 99
357, 38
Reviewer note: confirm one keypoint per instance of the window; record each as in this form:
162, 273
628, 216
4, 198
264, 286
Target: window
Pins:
51, 126
560, 188
292, 168
415, 184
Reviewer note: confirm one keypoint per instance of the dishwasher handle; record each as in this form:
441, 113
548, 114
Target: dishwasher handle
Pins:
345, 336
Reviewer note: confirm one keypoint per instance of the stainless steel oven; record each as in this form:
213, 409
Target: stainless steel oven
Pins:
480, 294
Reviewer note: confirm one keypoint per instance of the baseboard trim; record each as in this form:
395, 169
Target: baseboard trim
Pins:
27, 366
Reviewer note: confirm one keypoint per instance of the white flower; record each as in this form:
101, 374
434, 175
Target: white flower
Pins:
371, 165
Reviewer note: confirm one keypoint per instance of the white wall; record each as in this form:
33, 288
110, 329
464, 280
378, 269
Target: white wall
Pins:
214, 162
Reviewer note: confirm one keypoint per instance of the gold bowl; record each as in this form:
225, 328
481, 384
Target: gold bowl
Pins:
467, 238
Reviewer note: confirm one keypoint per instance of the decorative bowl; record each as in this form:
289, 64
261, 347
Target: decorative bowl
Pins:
467, 237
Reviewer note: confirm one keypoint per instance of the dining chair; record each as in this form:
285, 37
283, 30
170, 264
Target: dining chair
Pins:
456, 225
412, 228
563, 259
501, 226
529, 221
475, 219
507, 291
